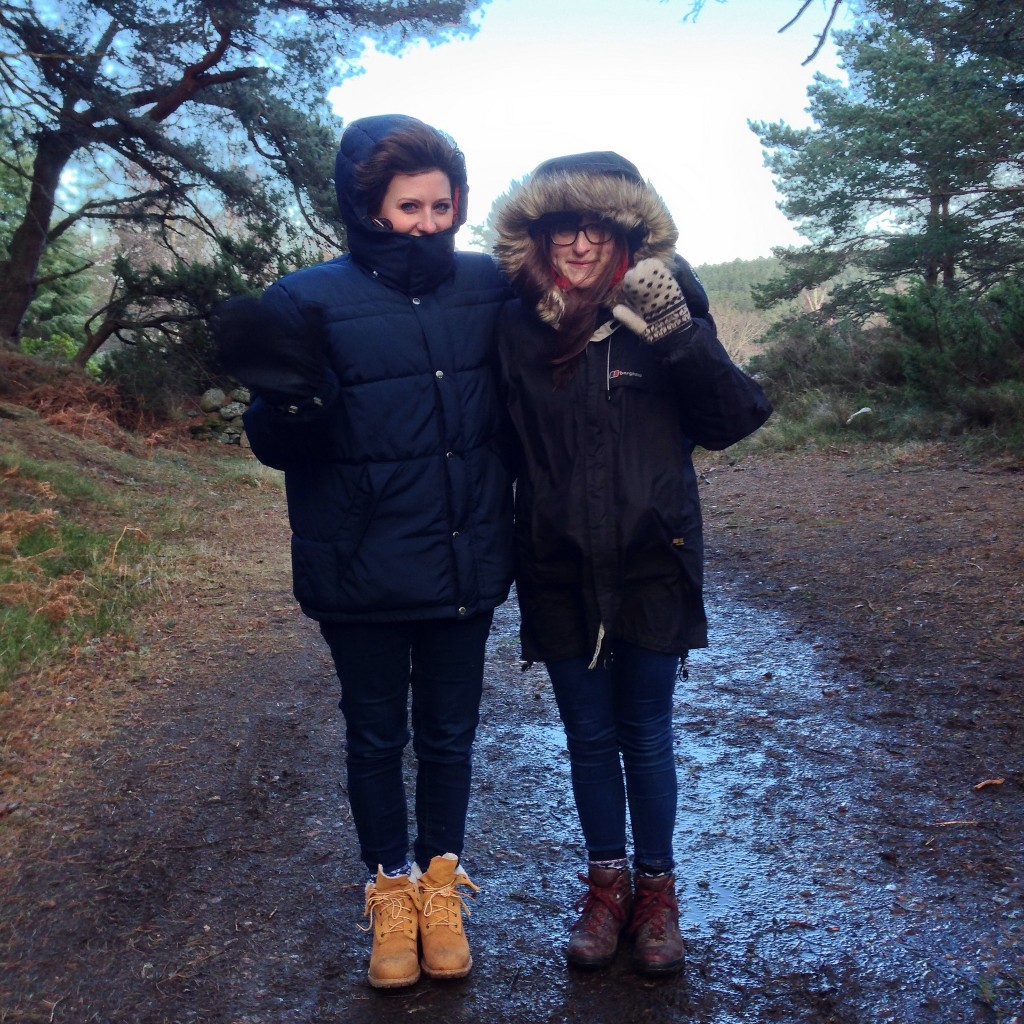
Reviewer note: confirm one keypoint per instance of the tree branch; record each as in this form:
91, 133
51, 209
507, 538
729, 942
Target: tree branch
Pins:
824, 33
796, 17
192, 80
64, 275
97, 209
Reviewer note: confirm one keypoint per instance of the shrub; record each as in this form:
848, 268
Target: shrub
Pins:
1000, 406
155, 376
57, 348
953, 342
803, 358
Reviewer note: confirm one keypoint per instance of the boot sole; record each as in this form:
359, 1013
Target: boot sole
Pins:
658, 970
589, 964
455, 972
394, 982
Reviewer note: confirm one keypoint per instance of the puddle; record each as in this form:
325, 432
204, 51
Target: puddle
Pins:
819, 883
787, 897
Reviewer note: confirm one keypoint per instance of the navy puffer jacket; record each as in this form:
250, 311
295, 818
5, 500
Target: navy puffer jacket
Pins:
398, 485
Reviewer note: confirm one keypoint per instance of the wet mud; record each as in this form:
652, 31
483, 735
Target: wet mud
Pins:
834, 866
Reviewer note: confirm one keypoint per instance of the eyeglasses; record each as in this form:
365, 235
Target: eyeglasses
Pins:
566, 234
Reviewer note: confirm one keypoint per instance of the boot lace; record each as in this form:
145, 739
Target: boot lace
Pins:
443, 905
595, 897
652, 909
393, 910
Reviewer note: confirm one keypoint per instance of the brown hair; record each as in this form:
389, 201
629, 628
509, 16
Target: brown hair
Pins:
412, 149
581, 316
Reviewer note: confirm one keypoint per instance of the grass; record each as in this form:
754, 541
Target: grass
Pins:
882, 435
109, 546
984, 424
90, 535
102, 538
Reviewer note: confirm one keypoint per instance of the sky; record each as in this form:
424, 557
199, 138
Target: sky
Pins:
543, 78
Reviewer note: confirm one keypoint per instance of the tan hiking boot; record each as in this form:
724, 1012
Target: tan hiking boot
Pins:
442, 937
605, 910
657, 944
393, 906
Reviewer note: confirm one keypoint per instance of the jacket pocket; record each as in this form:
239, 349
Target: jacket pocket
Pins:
329, 527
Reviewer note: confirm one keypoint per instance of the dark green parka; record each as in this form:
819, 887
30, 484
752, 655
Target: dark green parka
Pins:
608, 522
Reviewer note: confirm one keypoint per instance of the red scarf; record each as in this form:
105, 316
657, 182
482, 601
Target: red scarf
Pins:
620, 272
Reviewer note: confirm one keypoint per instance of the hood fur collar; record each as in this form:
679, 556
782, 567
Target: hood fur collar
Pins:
602, 183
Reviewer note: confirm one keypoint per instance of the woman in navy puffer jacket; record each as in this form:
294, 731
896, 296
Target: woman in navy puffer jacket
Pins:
376, 384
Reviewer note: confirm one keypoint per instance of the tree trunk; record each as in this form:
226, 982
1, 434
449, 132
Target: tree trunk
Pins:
930, 269
948, 258
93, 341
20, 271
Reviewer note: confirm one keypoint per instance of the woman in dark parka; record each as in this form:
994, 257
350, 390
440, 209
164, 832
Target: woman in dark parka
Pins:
613, 373
376, 389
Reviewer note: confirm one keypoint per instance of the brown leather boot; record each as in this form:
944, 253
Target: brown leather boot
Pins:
392, 905
657, 945
605, 910
442, 937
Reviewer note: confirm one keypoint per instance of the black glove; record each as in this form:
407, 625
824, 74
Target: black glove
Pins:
652, 303
279, 364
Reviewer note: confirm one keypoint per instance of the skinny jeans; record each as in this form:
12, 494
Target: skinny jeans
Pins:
618, 730
440, 663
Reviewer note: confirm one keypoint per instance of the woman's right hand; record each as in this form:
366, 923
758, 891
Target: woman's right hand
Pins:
653, 304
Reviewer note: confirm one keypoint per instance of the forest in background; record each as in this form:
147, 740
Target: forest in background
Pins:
906, 298
148, 647
906, 301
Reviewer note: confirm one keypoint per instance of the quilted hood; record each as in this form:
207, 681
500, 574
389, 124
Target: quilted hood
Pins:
410, 263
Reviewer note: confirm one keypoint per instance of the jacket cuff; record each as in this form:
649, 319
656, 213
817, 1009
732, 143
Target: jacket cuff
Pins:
305, 408
306, 405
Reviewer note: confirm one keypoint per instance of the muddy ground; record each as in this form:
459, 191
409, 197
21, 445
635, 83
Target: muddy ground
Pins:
851, 803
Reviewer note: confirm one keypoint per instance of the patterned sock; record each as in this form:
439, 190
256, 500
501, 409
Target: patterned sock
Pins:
643, 871
404, 869
619, 864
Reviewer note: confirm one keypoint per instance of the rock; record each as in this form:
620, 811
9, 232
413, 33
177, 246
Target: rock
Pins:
232, 411
212, 400
222, 417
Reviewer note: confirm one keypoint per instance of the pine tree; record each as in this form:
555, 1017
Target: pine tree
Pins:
164, 108
912, 170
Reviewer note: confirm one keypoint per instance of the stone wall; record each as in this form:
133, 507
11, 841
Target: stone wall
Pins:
219, 417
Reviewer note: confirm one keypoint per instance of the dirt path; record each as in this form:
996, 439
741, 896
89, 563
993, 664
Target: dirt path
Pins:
845, 851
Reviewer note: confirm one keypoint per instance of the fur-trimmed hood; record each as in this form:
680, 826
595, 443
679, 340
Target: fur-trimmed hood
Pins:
600, 182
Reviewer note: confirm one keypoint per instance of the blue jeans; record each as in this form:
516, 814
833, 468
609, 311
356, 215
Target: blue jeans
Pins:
618, 730
441, 661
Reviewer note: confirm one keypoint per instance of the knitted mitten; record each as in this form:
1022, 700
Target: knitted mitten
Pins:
652, 303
